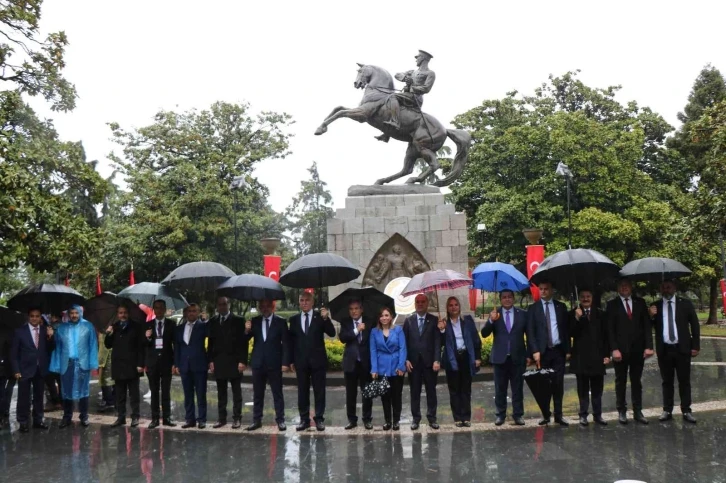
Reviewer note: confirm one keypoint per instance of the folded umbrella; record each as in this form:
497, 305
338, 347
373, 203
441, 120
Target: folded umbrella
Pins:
250, 287
319, 270
48, 297
372, 301
539, 382
497, 276
198, 277
101, 310
654, 269
578, 267
147, 292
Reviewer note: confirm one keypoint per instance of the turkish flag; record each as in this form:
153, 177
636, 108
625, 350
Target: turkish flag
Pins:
535, 255
98, 284
132, 279
472, 297
723, 294
272, 266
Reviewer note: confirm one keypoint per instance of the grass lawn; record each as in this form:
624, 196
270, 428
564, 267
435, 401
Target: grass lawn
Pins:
713, 330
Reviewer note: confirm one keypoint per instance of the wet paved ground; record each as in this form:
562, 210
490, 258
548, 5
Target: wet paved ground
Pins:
671, 452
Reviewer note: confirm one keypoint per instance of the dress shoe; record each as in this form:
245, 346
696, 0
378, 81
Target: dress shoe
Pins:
219, 424
638, 416
599, 420
368, 425
665, 416
134, 422
622, 417
281, 427
85, 423
519, 420
387, 427
414, 426
302, 426
688, 417
118, 422
169, 422
202, 425
499, 421
319, 425
40, 425
583, 421
562, 421
154, 424
459, 424
188, 424
24, 428
434, 425
395, 427
64, 423
237, 424
255, 425
467, 424
351, 425
544, 421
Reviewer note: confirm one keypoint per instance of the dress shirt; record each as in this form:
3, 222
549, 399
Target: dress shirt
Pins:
456, 326
666, 334
264, 325
188, 331
302, 320
553, 321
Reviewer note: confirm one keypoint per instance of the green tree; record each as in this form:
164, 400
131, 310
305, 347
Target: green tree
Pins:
309, 214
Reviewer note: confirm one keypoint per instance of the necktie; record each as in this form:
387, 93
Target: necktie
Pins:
36, 336
587, 314
221, 319
548, 319
671, 323
159, 328
420, 325
507, 321
360, 334
267, 328
627, 309
307, 322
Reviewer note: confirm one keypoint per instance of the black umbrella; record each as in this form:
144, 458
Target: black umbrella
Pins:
319, 270
250, 287
578, 267
198, 277
539, 382
654, 269
147, 292
10, 319
371, 299
101, 310
49, 298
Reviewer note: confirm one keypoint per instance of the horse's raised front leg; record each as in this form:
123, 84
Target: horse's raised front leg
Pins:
357, 114
409, 162
431, 159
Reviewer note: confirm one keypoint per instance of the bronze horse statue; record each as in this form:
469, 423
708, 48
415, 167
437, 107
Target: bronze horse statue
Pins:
424, 134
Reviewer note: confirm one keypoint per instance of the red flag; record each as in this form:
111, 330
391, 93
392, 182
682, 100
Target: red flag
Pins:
535, 255
472, 297
272, 266
132, 279
723, 293
67, 282
98, 284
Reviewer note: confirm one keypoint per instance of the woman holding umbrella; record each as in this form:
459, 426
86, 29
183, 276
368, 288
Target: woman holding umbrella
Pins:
388, 359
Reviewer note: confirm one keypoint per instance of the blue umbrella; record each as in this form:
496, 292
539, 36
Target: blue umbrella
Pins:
497, 276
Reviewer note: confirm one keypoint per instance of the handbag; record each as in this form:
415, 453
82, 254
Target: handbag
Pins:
377, 387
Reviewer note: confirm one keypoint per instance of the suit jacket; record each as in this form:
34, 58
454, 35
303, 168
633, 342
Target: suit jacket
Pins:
308, 350
274, 352
507, 341
160, 360
191, 357
424, 348
25, 358
353, 348
6, 342
537, 327
129, 349
590, 343
228, 346
689, 330
388, 356
471, 341
626, 335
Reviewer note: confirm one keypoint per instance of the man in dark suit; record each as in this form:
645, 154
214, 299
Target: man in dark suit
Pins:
270, 358
30, 358
127, 338
355, 331
159, 361
631, 342
190, 361
7, 376
310, 361
677, 340
508, 356
423, 346
227, 349
549, 344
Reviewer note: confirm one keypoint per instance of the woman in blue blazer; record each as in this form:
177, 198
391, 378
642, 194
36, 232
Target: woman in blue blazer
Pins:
388, 358
461, 360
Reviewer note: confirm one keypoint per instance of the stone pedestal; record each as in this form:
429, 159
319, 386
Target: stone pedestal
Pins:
430, 225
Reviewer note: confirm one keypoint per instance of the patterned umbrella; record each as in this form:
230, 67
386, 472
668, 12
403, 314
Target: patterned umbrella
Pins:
198, 277
147, 292
435, 280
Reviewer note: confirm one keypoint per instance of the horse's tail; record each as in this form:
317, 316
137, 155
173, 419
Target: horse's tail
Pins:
463, 141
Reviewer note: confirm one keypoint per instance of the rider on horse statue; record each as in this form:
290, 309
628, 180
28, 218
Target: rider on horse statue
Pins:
418, 82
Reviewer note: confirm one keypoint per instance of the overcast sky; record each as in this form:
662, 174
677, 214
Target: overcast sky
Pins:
131, 58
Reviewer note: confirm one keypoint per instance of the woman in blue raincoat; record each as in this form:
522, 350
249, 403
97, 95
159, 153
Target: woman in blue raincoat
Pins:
75, 356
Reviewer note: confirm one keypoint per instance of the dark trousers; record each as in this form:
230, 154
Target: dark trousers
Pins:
159, 381
82, 408
52, 382
554, 359
130, 387
585, 386
304, 379
504, 375
392, 400
423, 376
236, 384
24, 394
260, 378
632, 363
195, 383
459, 383
353, 380
673, 363
6, 395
